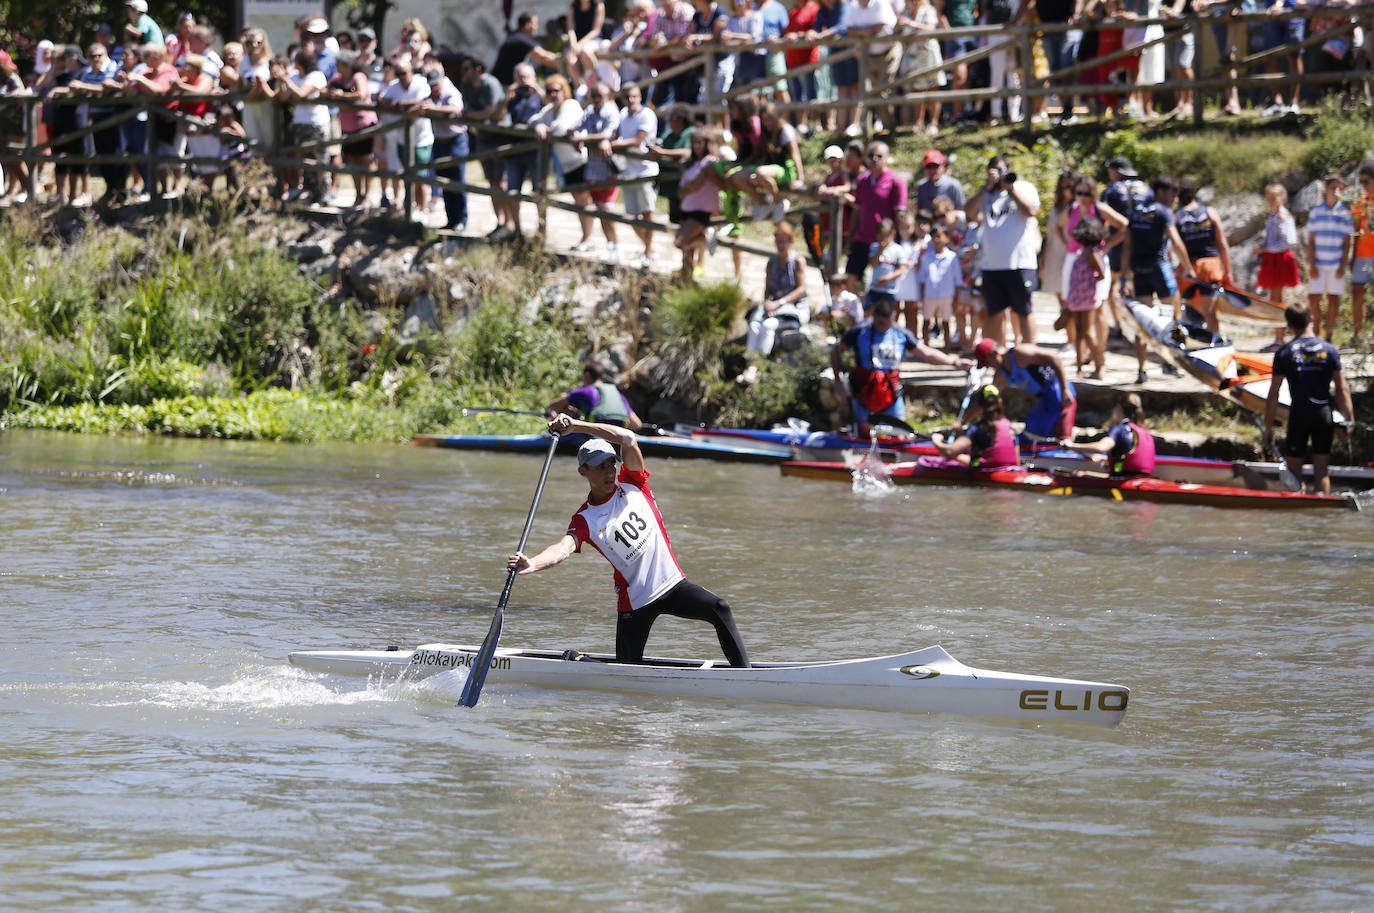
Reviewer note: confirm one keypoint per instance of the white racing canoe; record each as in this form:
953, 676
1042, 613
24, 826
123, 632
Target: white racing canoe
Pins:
928, 680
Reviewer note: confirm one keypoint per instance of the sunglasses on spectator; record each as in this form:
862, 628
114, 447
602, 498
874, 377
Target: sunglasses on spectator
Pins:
930, 165
1082, 193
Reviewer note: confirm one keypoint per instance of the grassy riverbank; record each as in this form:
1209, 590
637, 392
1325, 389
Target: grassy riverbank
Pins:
203, 330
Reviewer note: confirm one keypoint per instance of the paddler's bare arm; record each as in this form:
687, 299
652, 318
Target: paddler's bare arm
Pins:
623, 437
1271, 411
557, 553
1343, 400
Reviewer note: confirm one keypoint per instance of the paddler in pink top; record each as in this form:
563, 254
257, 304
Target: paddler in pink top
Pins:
986, 444
620, 519
1128, 446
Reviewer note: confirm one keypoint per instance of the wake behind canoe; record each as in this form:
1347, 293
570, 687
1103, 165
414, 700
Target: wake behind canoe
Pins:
928, 680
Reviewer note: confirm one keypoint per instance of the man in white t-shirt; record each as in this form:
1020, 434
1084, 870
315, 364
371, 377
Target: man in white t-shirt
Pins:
405, 94
1005, 207
620, 519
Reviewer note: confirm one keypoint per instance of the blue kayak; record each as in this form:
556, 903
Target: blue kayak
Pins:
649, 445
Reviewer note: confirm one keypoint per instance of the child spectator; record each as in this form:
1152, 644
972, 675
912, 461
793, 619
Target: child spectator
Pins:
816, 226
1089, 283
940, 278
842, 307
889, 263
1329, 230
1278, 267
907, 288
699, 200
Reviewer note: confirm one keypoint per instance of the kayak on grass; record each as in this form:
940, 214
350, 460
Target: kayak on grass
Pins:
649, 445
928, 680
937, 471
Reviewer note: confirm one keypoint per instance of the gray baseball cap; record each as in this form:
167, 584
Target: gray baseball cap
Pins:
595, 452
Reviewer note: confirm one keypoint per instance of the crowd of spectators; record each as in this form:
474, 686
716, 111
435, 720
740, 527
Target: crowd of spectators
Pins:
293, 98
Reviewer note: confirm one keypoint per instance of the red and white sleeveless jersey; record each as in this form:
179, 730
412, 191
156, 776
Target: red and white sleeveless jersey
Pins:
628, 531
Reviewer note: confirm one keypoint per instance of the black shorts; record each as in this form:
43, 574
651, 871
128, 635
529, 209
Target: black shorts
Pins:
1005, 289
1157, 280
858, 259
1315, 425
358, 148
686, 600
699, 216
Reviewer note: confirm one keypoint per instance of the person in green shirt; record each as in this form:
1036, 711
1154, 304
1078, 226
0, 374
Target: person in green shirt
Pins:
675, 148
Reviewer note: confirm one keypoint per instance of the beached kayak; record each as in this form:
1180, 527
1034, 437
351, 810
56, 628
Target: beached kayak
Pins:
1209, 357
650, 445
928, 680
935, 471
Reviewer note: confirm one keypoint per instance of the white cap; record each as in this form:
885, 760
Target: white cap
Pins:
832, 152
317, 26
140, 5
594, 452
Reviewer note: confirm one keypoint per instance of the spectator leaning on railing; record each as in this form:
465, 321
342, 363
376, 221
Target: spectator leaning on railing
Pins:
600, 124
450, 141
351, 84
483, 100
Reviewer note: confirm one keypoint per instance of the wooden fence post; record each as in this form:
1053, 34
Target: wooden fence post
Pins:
408, 166
1027, 74
32, 113
541, 199
1199, 97
863, 114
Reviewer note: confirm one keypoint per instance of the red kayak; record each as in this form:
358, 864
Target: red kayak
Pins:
937, 471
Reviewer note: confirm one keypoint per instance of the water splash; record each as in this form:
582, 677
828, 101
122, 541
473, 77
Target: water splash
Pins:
277, 688
871, 477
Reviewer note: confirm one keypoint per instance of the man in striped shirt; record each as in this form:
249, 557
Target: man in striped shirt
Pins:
1329, 228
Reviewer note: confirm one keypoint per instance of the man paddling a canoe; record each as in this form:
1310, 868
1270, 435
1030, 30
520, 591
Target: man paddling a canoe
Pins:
620, 519
597, 400
1310, 364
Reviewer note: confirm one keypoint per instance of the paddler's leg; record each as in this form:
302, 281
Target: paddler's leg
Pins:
686, 600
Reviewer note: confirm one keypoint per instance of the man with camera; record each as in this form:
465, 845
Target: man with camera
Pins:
1006, 207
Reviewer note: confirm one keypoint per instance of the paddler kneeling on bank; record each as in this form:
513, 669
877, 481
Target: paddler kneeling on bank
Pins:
597, 400
620, 519
1128, 447
988, 443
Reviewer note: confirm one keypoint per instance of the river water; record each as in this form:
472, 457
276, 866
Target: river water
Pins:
160, 755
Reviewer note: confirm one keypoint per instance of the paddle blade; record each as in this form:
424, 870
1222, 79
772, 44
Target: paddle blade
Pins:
1287, 477
472, 688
